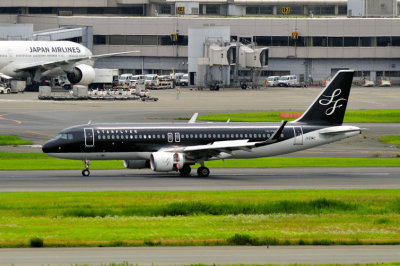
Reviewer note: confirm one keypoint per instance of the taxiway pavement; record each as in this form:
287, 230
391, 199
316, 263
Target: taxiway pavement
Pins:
204, 255
220, 179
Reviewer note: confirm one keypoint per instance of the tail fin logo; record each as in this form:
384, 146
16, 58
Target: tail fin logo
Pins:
330, 99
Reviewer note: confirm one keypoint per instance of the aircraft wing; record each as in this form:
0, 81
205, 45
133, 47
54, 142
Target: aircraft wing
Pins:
216, 148
4, 76
47, 65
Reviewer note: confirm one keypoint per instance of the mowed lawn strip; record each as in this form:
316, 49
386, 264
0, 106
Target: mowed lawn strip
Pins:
40, 161
13, 140
351, 116
319, 217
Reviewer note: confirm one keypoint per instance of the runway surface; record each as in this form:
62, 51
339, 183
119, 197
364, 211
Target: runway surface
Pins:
220, 179
205, 255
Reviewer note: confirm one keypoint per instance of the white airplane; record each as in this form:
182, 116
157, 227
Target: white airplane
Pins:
175, 147
36, 59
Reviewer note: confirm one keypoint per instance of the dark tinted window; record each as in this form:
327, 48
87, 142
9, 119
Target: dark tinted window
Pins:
99, 39
335, 41
365, 41
350, 41
319, 41
383, 41
263, 40
280, 41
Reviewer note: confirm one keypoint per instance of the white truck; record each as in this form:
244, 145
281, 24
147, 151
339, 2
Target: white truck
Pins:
18, 86
104, 78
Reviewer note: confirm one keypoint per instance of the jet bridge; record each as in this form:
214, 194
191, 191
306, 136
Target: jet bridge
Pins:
67, 33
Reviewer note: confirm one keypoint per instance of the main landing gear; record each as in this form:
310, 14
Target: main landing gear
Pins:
86, 171
202, 171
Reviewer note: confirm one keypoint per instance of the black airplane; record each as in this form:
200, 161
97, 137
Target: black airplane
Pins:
165, 147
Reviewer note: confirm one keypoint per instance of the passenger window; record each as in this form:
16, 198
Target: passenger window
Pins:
117, 136
108, 136
112, 137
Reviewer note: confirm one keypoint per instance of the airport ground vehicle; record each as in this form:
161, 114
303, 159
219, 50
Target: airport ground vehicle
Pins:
272, 81
124, 79
104, 78
288, 81
178, 77
137, 80
4, 88
166, 147
184, 81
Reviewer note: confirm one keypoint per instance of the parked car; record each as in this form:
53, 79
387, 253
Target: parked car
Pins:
288, 81
272, 81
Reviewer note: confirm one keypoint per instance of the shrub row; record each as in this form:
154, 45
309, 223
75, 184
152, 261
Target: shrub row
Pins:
317, 206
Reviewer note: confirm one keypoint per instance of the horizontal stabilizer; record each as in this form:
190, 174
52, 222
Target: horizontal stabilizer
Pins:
339, 130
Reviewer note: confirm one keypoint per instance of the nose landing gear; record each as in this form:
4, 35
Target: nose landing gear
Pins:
86, 171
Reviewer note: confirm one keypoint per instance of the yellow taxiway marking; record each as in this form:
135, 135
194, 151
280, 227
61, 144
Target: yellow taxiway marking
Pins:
15, 121
38, 133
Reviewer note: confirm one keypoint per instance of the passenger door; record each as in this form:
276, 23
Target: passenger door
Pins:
89, 137
298, 136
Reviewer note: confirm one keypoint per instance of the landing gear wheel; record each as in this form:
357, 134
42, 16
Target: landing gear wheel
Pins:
85, 172
203, 171
185, 171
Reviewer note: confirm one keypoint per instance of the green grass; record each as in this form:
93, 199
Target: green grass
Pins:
40, 161
394, 139
12, 140
286, 217
352, 116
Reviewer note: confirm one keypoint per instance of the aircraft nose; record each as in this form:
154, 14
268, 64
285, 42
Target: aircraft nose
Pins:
48, 147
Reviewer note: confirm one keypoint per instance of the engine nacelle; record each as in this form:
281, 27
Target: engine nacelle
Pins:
166, 161
81, 75
136, 164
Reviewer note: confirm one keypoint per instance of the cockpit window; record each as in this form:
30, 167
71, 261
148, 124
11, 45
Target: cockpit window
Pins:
65, 136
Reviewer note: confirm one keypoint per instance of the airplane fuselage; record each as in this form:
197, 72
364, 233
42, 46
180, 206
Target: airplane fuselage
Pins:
139, 141
15, 55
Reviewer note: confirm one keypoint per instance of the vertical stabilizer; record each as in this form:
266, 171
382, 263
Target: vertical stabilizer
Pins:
329, 107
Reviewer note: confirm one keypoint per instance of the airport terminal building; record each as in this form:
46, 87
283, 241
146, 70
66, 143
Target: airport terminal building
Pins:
310, 38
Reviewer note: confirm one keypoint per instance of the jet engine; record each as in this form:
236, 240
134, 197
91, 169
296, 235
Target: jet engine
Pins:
81, 75
136, 164
166, 161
